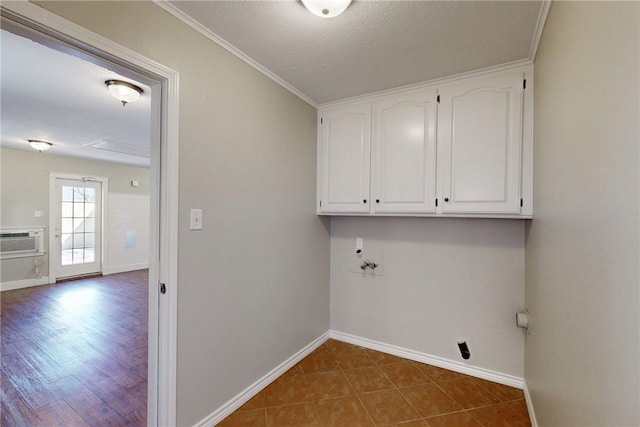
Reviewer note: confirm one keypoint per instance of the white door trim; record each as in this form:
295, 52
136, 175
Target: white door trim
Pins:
104, 190
161, 406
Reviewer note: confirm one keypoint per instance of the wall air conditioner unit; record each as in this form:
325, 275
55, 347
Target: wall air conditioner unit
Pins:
20, 243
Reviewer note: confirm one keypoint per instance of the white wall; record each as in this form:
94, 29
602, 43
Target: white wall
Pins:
127, 242
253, 285
443, 279
582, 249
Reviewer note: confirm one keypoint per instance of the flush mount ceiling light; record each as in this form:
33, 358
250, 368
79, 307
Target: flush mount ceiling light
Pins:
123, 91
39, 145
326, 8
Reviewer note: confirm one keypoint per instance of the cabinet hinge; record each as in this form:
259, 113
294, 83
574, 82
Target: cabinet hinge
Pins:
438, 99
521, 202
321, 120
163, 288
524, 84
320, 203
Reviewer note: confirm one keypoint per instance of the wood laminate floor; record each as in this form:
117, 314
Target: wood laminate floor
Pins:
75, 353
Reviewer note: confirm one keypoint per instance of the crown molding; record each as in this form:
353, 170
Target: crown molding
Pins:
171, 9
537, 35
542, 17
428, 83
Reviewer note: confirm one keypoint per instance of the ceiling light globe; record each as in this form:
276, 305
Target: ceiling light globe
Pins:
326, 8
39, 145
123, 91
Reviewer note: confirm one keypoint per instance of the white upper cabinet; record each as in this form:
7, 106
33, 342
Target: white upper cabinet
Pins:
403, 175
480, 145
344, 158
463, 147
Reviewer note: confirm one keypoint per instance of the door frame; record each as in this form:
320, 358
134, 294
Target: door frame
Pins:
104, 191
163, 265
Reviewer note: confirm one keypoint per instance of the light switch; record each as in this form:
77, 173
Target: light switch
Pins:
38, 214
196, 219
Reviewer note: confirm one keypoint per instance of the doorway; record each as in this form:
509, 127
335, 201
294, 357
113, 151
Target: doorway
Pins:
29, 20
76, 225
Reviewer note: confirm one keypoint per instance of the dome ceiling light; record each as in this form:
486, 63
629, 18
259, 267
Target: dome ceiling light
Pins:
123, 91
326, 8
41, 146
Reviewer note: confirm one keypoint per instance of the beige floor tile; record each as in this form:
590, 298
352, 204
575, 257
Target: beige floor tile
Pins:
502, 392
344, 411
286, 391
429, 400
384, 358
388, 407
501, 415
254, 418
458, 419
404, 374
354, 357
520, 406
300, 415
438, 374
468, 393
365, 380
327, 385
256, 402
319, 361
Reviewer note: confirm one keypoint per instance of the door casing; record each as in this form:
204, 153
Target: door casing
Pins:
53, 176
52, 30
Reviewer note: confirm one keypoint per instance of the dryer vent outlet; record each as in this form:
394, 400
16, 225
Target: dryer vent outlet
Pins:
464, 350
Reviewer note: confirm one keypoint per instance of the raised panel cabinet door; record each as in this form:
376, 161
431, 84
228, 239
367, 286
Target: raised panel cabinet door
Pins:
345, 159
480, 146
404, 153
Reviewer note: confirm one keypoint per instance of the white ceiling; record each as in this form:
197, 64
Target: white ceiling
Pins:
373, 45
56, 97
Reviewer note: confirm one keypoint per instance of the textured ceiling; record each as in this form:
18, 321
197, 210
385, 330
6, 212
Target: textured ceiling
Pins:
373, 45
56, 97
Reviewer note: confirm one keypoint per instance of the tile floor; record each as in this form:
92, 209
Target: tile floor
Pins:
344, 385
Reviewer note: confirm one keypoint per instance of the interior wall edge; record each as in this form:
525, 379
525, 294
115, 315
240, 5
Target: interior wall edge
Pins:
243, 397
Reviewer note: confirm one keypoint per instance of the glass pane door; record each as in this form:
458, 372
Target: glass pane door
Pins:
79, 227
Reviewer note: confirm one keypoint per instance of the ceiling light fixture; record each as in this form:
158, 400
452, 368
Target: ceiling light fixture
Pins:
39, 145
326, 8
123, 91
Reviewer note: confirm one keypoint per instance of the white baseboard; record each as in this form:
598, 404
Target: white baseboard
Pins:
527, 398
124, 268
440, 362
255, 388
26, 283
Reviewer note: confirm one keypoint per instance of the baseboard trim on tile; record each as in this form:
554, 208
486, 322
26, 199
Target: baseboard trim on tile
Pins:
532, 413
243, 397
440, 362
26, 283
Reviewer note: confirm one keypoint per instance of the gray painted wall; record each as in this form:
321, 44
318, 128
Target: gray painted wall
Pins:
443, 279
582, 248
255, 280
24, 188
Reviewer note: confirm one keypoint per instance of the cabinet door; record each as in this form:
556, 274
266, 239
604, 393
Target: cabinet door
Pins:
404, 153
480, 144
345, 138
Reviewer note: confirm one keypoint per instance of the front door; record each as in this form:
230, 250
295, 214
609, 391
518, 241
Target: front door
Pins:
78, 227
